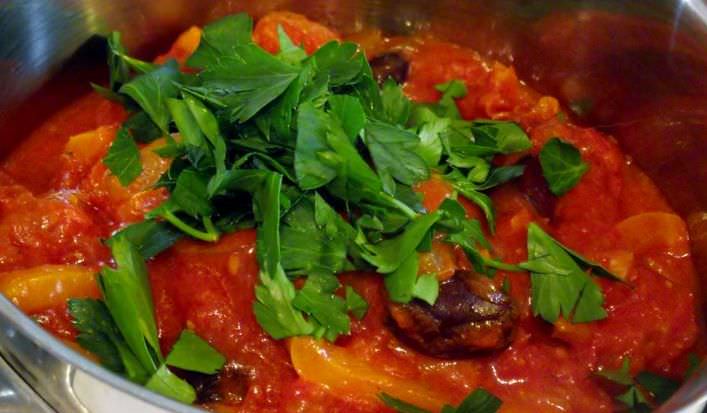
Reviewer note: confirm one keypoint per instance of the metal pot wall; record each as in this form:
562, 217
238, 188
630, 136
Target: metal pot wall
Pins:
633, 69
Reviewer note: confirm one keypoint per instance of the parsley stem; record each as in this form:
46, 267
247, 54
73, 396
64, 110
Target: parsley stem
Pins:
209, 226
210, 236
489, 262
400, 206
139, 65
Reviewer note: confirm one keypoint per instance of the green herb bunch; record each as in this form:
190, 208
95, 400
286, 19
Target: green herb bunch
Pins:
322, 161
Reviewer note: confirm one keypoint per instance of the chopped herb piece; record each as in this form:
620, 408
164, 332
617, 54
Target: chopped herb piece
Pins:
317, 298
169, 209
315, 162
635, 400
315, 238
142, 128
355, 303
426, 288
324, 152
273, 307
118, 69
661, 388
482, 200
430, 147
467, 233
562, 165
190, 194
586, 264
151, 91
149, 237
400, 283
126, 291
620, 376
219, 38
657, 387
98, 334
209, 126
120, 64
479, 401
393, 152
186, 124
396, 106
341, 62
388, 255
123, 158
693, 365
501, 175
447, 107
245, 81
192, 353
349, 111
507, 137
558, 284
166, 383
114, 96
289, 52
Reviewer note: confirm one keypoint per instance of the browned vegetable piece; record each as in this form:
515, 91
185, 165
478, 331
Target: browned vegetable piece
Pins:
229, 386
390, 65
469, 316
536, 190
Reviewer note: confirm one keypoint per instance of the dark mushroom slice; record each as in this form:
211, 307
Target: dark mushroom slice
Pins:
470, 316
229, 386
390, 65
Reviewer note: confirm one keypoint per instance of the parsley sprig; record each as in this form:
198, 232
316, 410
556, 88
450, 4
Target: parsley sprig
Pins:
121, 330
559, 283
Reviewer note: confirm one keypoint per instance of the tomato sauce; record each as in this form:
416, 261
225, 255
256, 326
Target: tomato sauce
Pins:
615, 215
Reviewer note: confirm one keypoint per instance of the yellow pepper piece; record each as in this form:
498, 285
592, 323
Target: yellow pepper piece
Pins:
35, 289
655, 231
343, 372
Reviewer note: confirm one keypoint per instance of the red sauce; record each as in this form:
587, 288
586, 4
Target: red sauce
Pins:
209, 288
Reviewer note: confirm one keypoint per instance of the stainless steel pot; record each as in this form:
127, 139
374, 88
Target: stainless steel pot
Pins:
634, 69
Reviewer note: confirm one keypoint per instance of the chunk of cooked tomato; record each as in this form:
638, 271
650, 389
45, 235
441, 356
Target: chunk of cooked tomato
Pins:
46, 230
